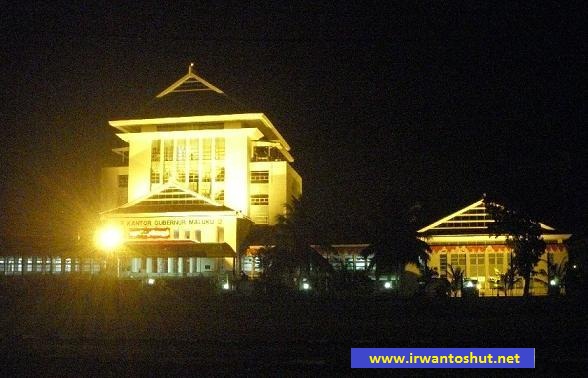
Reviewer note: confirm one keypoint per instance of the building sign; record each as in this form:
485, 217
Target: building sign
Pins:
170, 221
149, 233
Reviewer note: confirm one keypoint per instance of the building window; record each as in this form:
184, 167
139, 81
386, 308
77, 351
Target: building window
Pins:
220, 196
220, 174
458, 260
477, 266
155, 173
219, 149
206, 149
259, 199
496, 264
198, 235
259, 177
194, 149
123, 181
168, 150
155, 150
181, 150
443, 264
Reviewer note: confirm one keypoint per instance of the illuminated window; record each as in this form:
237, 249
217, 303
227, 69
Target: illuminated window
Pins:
68, 265
219, 149
155, 173
458, 260
259, 177
168, 150
198, 235
220, 196
123, 181
194, 148
477, 265
443, 264
206, 149
496, 264
182, 176
259, 199
155, 150
181, 150
205, 172
220, 174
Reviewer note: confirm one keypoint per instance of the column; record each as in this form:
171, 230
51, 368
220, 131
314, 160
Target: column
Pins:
192, 265
181, 265
171, 265
149, 265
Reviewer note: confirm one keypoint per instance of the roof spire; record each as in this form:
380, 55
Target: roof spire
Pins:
190, 82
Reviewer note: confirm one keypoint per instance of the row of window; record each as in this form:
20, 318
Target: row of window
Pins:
188, 149
37, 264
497, 263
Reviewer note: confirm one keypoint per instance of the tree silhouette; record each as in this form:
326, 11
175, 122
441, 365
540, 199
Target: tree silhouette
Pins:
393, 251
523, 236
555, 276
456, 275
292, 259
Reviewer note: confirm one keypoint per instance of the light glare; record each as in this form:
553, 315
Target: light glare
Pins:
109, 238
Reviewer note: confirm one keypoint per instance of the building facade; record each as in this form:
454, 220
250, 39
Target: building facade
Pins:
200, 168
462, 240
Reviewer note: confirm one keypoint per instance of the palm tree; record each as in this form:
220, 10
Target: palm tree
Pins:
523, 236
509, 279
292, 259
555, 276
456, 275
391, 253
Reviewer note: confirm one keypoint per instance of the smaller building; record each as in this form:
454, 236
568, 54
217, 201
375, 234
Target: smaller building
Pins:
462, 240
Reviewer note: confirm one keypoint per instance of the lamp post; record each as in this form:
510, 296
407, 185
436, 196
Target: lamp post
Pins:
108, 239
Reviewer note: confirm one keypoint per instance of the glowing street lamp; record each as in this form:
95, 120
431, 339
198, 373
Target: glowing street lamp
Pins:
108, 239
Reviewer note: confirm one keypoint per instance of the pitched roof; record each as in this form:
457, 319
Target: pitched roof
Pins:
191, 95
169, 198
471, 220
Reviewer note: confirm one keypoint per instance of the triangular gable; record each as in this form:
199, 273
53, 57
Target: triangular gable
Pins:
471, 219
190, 83
170, 197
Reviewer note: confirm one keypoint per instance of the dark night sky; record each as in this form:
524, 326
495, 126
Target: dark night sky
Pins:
383, 106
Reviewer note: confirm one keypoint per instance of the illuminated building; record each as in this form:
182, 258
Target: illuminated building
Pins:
200, 168
462, 240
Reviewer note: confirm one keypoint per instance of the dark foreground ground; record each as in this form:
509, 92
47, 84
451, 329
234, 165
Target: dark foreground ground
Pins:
100, 327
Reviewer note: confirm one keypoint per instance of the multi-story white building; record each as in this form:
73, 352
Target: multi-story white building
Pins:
199, 169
